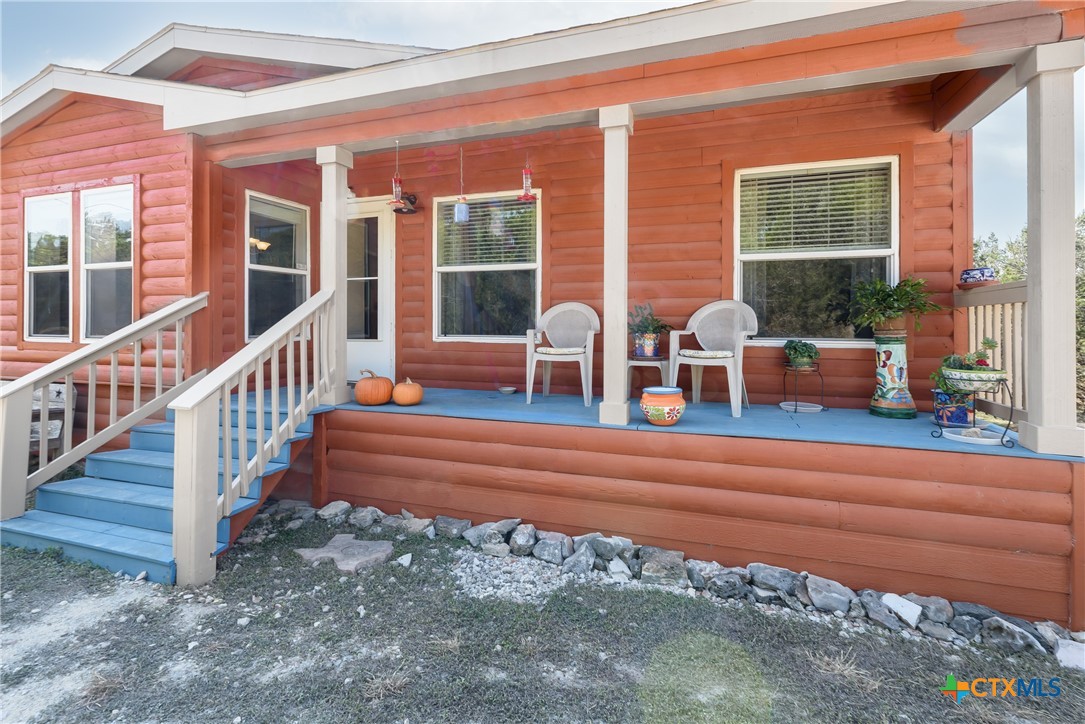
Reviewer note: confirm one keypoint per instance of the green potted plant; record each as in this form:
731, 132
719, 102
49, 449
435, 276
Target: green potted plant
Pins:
882, 306
646, 329
800, 353
972, 372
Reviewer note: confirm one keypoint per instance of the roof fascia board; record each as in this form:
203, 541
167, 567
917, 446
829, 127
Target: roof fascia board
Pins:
53, 83
679, 32
276, 47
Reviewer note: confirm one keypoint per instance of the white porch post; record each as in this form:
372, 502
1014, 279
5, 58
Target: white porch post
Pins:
1049, 376
334, 162
617, 125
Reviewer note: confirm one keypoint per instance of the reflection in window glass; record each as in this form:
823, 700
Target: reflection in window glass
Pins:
487, 303
47, 223
109, 300
107, 252
278, 245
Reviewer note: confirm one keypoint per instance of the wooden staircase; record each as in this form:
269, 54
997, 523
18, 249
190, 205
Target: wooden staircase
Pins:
120, 514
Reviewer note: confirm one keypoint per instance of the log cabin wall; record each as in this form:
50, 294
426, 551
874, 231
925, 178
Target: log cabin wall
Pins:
681, 226
93, 141
984, 528
298, 182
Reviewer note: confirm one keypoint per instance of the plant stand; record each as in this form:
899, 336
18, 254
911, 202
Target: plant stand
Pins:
961, 437
891, 395
796, 372
658, 362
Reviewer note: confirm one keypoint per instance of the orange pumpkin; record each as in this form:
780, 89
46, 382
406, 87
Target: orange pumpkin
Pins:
372, 390
407, 393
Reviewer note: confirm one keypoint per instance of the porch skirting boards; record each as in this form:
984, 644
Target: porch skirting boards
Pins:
1004, 521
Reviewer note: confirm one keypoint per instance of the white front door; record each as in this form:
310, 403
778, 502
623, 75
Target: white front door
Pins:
370, 288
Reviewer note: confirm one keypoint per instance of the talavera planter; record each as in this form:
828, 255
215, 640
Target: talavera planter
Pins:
662, 405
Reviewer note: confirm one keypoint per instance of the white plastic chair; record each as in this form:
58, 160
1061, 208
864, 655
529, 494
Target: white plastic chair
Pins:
721, 328
570, 330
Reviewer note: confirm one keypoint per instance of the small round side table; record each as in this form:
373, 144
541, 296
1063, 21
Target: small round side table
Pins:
658, 362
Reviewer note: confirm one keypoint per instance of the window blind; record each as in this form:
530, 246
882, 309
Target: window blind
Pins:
815, 210
499, 231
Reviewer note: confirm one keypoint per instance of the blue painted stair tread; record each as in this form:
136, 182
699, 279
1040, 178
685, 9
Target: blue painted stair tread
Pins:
116, 547
120, 515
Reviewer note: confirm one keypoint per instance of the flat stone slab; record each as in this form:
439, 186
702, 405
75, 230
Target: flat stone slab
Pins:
348, 553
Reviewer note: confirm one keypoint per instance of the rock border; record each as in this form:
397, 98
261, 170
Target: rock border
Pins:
911, 616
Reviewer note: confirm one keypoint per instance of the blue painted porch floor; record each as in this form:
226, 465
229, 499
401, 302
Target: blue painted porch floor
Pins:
842, 426
120, 515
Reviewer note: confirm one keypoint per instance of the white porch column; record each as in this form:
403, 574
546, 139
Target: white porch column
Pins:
617, 125
1049, 376
334, 163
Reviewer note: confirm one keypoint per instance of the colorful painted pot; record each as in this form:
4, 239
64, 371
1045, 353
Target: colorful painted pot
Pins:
645, 344
891, 395
951, 409
662, 405
974, 380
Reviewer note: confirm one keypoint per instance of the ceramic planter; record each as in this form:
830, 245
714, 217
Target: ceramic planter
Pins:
646, 344
891, 395
662, 405
953, 409
974, 380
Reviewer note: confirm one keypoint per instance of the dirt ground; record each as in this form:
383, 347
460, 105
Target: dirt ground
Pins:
275, 640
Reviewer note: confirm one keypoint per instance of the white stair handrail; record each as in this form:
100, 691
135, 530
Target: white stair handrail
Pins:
205, 409
16, 399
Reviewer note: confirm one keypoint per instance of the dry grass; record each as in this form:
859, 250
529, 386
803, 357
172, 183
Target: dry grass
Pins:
451, 644
378, 686
100, 688
843, 665
529, 646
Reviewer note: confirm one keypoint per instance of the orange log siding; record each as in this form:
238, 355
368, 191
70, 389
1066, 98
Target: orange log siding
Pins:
85, 142
682, 171
994, 530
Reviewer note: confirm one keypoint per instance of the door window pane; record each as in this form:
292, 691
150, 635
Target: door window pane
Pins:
49, 304
362, 248
362, 309
109, 300
272, 296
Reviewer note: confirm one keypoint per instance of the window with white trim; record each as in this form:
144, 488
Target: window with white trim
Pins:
277, 261
102, 258
107, 259
805, 235
486, 268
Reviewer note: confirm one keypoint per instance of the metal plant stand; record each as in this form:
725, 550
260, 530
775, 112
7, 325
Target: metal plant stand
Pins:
797, 372
1002, 385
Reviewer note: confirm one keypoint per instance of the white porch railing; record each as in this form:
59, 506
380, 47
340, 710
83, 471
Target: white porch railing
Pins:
17, 398
294, 356
998, 312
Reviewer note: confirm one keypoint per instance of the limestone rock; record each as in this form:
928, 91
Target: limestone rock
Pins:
600, 564
634, 566
295, 524
336, 510
1026, 626
878, 612
907, 611
700, 572
966, 626
1070, 653
392, 522
1050, 632
628, 554
763, 595
475, 534
579, 562
365, 517
565, 541
774, 578
618, 570
855, 609
975, 610
1008, 637
348, 554
828, 595
404, 560
304, 512
549, 551
727, 585
801, 592
497, 550
522, 540
663, 567
416, 526
609, 548
447, 527
935, 609
405, 514
579, 540
504, 527
938, 631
